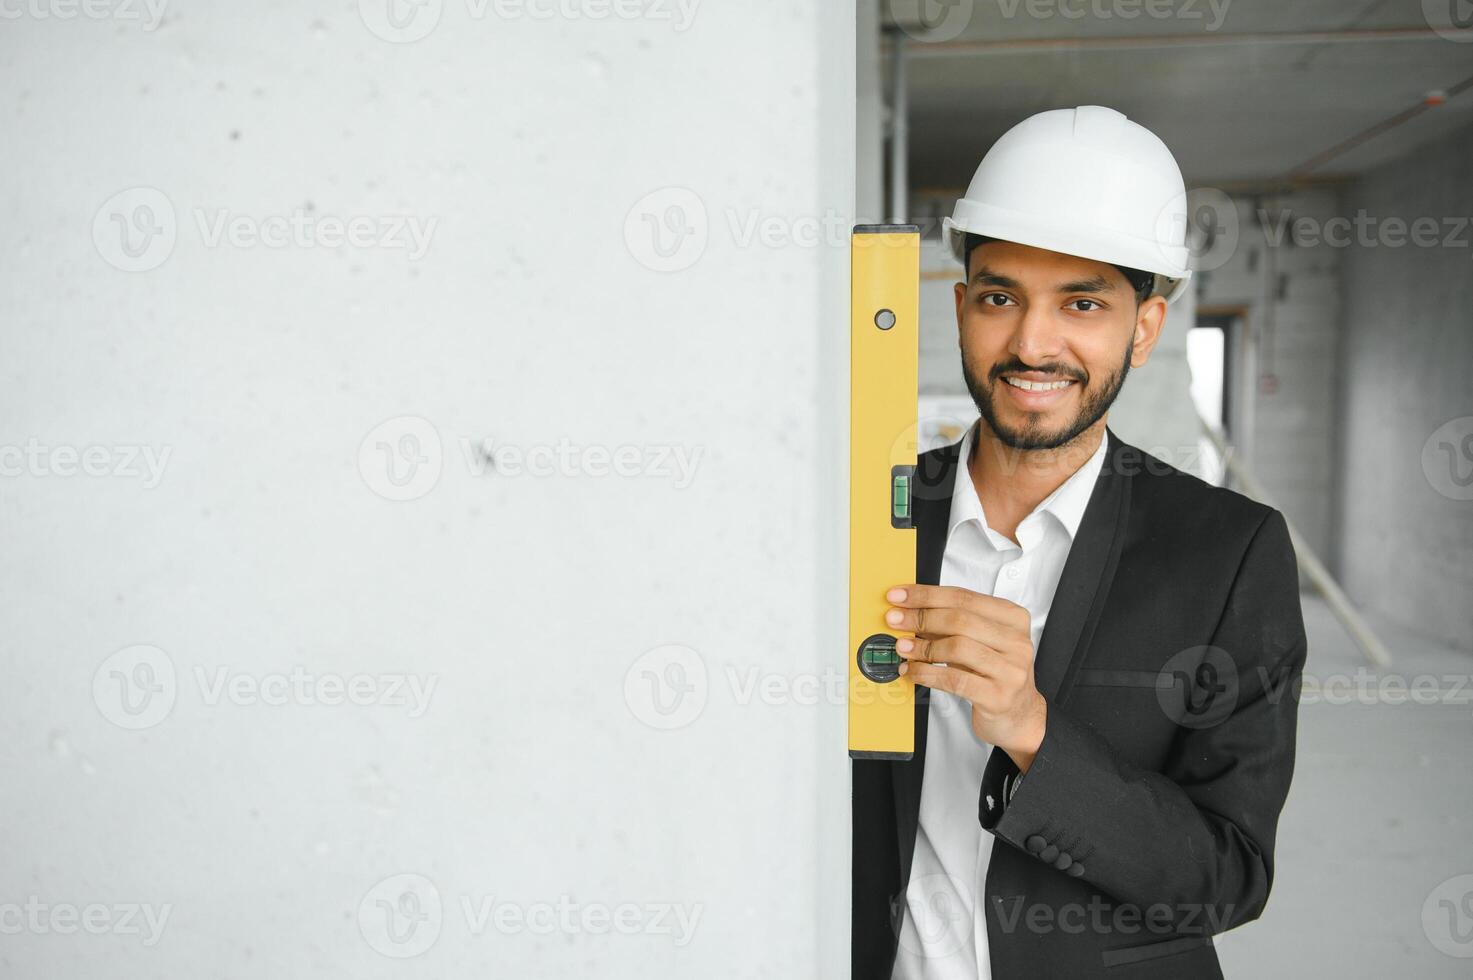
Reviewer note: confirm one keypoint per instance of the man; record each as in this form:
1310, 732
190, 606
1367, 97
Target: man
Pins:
1106, 650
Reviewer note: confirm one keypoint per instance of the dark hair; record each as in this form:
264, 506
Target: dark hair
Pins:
1144, 283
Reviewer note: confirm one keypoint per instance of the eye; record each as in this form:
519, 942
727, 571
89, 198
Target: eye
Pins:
995, 299
1085, 305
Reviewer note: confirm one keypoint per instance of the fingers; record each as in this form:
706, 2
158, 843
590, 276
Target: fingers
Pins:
953, 651
980, 678
936, 623
1001, 611
968, 686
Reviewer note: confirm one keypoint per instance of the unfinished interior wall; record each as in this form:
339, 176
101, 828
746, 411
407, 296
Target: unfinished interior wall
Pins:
1405, 470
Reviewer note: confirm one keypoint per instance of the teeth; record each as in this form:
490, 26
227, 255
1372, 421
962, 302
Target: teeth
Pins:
1037, 385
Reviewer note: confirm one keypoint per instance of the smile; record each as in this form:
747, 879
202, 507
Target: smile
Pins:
1038, 385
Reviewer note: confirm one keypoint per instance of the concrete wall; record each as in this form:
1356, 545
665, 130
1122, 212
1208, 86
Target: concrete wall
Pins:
1406, 454
571, 461
1284, 424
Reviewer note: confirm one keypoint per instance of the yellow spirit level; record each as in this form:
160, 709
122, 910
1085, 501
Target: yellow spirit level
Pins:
884, 307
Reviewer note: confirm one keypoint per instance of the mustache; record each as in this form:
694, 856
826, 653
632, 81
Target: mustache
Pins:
1015, 366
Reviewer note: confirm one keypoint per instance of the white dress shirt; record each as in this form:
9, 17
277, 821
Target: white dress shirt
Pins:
944, 935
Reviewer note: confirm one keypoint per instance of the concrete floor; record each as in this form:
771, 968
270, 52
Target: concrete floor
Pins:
1380, 815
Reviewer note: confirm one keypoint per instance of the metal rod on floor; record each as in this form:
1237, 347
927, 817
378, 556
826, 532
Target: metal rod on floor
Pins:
1314, 569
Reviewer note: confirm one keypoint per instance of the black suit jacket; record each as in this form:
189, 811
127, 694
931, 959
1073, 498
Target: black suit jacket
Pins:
1170, 661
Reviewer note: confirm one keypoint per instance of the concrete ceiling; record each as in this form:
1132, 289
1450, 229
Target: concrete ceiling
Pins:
1235, 110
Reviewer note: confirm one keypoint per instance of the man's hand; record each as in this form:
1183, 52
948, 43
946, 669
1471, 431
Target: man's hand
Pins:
977, 647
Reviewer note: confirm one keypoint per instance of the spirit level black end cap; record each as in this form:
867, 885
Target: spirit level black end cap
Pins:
886, 229
881, 756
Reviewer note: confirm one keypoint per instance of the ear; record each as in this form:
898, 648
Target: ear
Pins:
1150, 317
960, 289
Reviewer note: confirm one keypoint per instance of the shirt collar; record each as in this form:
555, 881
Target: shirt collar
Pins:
1067, 503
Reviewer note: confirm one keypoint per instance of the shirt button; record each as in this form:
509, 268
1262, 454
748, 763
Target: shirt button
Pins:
1013, 572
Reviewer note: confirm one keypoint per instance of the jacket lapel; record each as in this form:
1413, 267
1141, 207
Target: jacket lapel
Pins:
1087, 575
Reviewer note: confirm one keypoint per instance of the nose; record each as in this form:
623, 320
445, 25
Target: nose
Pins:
1036, 338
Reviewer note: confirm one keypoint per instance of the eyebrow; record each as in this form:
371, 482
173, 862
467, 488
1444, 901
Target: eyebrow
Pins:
986, 277
1094, 284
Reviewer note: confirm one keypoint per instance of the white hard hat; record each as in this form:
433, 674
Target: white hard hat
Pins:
1086, 182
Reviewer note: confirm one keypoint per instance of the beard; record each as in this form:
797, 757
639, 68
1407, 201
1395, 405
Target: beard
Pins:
1096, 401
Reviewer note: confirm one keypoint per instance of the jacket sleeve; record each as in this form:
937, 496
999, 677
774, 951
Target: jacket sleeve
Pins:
1198, 837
